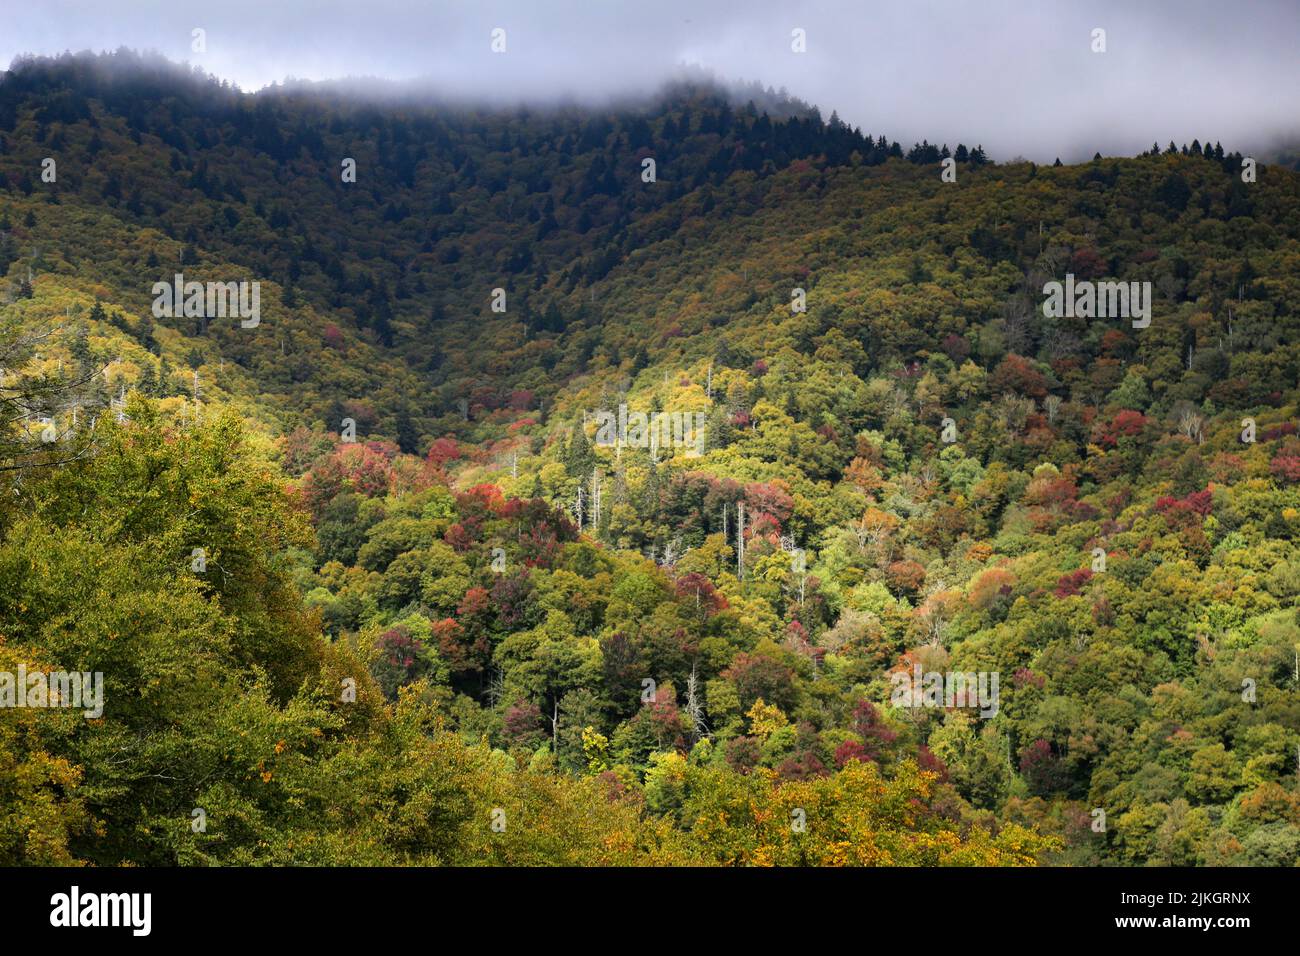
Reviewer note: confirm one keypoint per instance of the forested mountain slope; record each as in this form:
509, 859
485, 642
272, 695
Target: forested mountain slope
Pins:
932, 473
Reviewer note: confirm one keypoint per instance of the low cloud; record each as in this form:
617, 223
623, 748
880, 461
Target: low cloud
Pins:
1019, 76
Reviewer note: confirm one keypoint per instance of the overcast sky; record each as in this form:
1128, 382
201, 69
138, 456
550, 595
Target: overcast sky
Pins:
1017, 75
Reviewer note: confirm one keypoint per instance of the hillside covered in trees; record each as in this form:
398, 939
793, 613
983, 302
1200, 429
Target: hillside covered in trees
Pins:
369, 583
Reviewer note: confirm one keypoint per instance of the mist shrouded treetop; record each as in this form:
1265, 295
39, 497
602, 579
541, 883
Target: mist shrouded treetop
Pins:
1021, 77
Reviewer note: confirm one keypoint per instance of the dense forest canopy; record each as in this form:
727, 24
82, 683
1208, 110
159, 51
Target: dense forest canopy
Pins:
370, 581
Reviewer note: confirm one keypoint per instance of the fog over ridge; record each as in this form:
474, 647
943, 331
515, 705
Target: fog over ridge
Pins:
1018, 76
